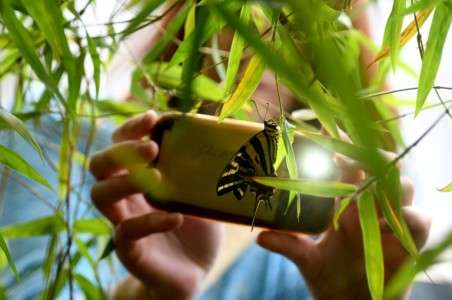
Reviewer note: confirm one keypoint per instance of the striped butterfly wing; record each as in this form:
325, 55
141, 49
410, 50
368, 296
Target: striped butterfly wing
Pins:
255, 158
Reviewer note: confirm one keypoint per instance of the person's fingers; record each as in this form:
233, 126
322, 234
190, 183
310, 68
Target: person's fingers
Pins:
111, 190
350, 172
296, 247
418, 224
111, 160
136, 127
407, 191
139, 227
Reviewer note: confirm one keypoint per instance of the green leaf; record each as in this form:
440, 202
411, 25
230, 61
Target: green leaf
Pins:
168, 36
9, 59
447, 188
23, 41
148, 7
373, 252
308, 187
41, 226
109, 248
393, 28
192, 65
90, 290
405, 275
18, 164
12, 265
235, 53
249, 83
291, 162
11, 121
171, 78
433, 52
93, 226
343, 205
96, 62
47, 14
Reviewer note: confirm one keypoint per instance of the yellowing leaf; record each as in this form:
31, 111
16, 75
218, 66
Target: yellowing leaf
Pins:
406, 35
343, 204
249, 83
447, 188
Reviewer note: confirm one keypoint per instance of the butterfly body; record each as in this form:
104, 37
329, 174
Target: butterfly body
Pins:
254, 158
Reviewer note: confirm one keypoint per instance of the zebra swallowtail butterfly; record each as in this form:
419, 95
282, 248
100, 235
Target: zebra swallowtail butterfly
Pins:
255, 158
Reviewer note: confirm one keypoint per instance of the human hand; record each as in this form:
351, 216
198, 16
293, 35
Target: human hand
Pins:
333, 266
169, 253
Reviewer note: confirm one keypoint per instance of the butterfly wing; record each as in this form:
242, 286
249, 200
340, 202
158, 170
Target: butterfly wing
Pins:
255, 158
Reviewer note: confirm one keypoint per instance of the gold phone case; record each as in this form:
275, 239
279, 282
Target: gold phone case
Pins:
194, 150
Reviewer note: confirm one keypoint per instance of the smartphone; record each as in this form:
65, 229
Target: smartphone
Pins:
194, 150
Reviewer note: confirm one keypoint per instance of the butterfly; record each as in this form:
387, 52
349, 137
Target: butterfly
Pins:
255, 158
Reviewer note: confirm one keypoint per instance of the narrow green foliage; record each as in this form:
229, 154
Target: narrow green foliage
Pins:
438, 32
96, 62
247, 86
168, 36
171, 78
94, 226
291, 161
343, 205
373, 252
24, 42
109, 248
308, 187
11, 121
235, 53
47, 14
447, 188
405, 276
148, 7
41, 226
393, 28
9, 59
4, 248
192, 65
90, 290
17, 163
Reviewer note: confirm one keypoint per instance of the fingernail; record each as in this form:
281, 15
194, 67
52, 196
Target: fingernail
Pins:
148, 149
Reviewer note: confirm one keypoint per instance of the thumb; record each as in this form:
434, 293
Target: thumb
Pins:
296, 247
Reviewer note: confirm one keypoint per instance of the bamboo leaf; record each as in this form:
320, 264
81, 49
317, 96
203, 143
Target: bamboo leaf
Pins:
47, 14
405, 275
5, 249
90, 290
109, 248
373, 252
393, 28
148, 7
171, 77
437, 36
168, 36
235, 53
343, 205
308, 187
291, 162
249, 83
18, 164
23, 41
11, 121
192, 65
406, 35
92, 226
41, 226
96, 62
447, 188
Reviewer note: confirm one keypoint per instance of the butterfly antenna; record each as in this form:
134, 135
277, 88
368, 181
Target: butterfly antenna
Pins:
255, 213
257, 110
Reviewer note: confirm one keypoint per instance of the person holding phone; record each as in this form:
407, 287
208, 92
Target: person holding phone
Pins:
168, 254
